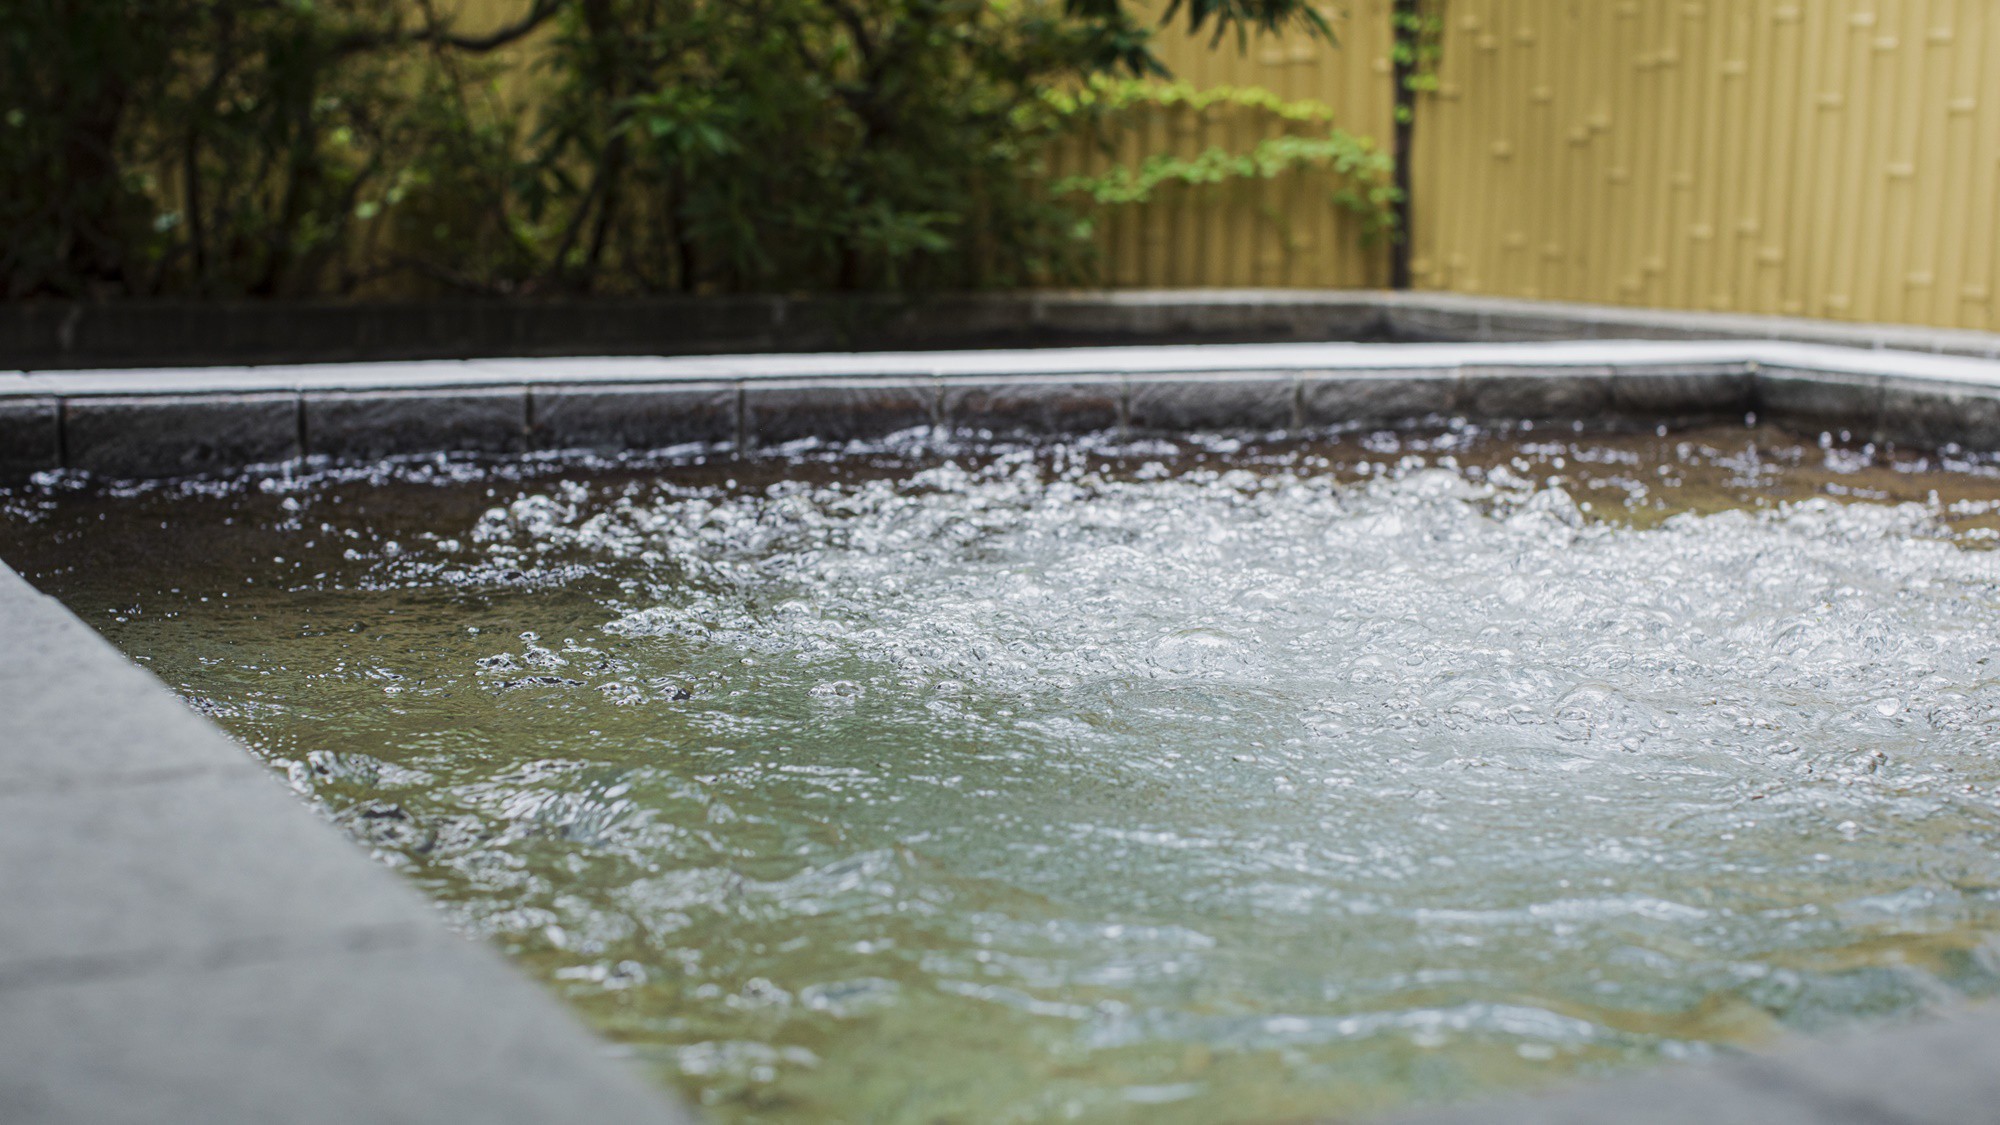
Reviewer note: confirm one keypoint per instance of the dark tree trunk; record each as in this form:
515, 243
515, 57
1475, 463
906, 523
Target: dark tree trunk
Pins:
1407, 14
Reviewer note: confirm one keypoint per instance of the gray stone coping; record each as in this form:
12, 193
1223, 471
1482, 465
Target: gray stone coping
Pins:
165, 422
182, 941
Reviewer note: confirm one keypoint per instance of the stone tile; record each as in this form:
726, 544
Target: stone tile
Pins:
1018, 407
30, 436
1813, 400
1930, 414
105, 876
1499, 393
1672, 391
614, 419
1231, 400
1380, 397
836, 410
171, 434
363, 425
435, 1035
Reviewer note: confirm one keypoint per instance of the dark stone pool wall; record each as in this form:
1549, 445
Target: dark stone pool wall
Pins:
182, 942
62, 335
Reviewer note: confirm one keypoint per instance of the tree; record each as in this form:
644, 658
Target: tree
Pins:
289, 147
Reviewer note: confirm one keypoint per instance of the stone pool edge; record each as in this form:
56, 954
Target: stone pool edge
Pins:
125, 1003
169, 422
183, 941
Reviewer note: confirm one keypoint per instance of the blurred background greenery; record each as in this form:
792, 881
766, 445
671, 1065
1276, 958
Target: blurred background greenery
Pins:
309, 148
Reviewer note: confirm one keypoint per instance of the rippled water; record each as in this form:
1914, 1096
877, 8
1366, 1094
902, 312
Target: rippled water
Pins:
1171, 782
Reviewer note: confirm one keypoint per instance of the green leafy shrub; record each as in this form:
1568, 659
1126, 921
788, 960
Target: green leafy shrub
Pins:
220, 147
328, 147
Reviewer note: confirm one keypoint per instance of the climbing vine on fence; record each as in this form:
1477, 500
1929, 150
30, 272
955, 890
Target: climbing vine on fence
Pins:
1416, 49
1359, 172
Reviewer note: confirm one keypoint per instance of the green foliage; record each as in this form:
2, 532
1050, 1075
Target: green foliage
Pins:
221, 146
1360, 171
67, 75
1417, 48
801, 143
310, 147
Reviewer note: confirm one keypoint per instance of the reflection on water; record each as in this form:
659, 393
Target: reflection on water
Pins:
1167, 782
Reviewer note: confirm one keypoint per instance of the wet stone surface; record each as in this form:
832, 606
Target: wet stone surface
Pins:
1165, 781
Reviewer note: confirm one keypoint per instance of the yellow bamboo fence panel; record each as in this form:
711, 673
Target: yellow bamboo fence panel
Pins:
1825, 158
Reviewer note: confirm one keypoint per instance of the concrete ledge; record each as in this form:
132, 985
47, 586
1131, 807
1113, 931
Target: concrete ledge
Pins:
183, 942
77, 909
57, 735
435, 1034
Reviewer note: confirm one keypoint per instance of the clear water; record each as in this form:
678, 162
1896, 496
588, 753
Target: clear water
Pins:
1175, 782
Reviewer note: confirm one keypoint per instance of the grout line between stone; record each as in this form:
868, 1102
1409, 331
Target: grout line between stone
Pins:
742, 421
305, 432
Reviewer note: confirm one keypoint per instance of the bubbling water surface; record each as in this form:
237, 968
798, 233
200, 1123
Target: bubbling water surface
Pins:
1172, 782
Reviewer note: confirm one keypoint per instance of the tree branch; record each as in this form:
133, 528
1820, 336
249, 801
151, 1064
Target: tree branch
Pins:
436, 35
